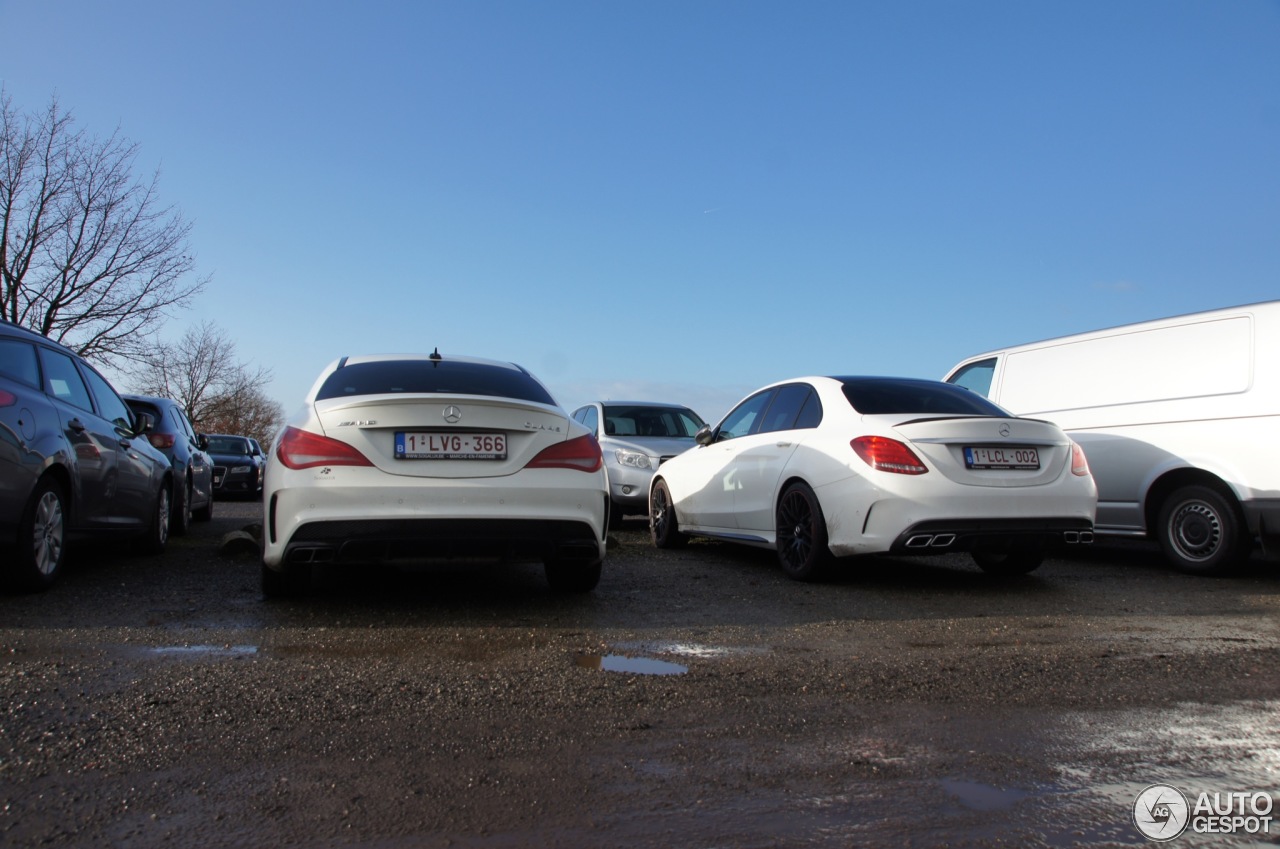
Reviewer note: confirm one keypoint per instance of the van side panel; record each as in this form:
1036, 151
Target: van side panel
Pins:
1196, 360
1165, 400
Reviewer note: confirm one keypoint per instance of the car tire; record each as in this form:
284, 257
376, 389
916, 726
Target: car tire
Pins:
1202, 531
290, 582
156, 537
205, 513
802, 534
42, 538
180, 520
572, 576
1016, 557
663, 524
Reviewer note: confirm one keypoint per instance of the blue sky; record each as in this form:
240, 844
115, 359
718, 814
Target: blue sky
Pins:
685, 200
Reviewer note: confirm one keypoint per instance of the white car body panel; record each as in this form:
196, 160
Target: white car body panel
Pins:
867, 510
441, 491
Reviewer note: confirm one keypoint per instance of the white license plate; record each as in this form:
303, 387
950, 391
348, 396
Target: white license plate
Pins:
411, 445
983, 457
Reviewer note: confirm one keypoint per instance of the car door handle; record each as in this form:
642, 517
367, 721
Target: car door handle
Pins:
784, 444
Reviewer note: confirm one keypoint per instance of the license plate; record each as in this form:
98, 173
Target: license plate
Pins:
981, 457
450, 446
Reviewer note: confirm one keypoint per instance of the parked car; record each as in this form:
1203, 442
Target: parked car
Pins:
1177, 416
428, 457
74, 460
238, 464
636, 437
175, 438
825, 467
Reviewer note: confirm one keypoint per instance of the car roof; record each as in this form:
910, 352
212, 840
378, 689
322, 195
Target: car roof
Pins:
642, 404
386, 358
7, 326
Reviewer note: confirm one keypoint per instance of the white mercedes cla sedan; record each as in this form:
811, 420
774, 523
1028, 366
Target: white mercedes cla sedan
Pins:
402, 458
826, 467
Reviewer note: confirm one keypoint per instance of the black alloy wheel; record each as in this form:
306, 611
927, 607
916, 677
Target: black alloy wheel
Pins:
802, 534
663, 526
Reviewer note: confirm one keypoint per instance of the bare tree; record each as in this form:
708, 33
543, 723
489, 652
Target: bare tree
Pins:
220, 394
248, 412
87, 255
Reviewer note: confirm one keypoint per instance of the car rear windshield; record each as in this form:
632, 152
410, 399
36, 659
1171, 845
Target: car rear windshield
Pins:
874, 396
397, 377
229, 445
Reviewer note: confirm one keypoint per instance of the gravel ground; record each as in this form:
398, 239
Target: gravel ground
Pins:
696, 698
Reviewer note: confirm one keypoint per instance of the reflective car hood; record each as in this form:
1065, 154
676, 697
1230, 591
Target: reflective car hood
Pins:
654, 446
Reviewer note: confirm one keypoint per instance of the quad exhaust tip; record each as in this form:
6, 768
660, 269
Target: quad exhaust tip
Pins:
931, 541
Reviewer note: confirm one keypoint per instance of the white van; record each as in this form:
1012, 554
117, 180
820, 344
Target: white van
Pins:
1179, 419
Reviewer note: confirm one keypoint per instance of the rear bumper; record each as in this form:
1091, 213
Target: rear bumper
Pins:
408, 540
530, 517
938, 537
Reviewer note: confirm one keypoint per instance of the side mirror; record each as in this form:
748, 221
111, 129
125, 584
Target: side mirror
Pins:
705, 435
202, 442
143, 422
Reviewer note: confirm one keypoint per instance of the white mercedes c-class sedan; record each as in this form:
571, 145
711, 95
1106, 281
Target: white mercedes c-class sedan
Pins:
819, 468
403, 458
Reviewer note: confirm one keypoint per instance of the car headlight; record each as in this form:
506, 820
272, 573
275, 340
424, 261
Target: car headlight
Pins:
239, 468
634, 459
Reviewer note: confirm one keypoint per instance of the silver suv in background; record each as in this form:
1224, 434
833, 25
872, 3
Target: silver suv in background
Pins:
635, 438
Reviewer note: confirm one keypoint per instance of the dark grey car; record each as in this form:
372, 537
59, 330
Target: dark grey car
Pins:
238, 462
74, 460
174, 436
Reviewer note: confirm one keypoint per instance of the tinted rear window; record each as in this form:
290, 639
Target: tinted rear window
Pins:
395, 377
229, 445
879, 396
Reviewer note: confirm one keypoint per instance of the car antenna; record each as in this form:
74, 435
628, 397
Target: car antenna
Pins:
435, 356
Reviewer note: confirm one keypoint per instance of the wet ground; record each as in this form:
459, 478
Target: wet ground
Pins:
696, 699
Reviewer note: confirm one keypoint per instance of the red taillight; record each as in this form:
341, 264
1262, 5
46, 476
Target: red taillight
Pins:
888, 455
582, 454
7, 399
300, 449
163, 441
1079, 465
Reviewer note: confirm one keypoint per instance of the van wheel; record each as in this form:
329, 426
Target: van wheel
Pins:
1202, 531
42, 537
802, 535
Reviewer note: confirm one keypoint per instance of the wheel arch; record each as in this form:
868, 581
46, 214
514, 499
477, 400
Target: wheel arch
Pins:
63, 477
1165, 485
